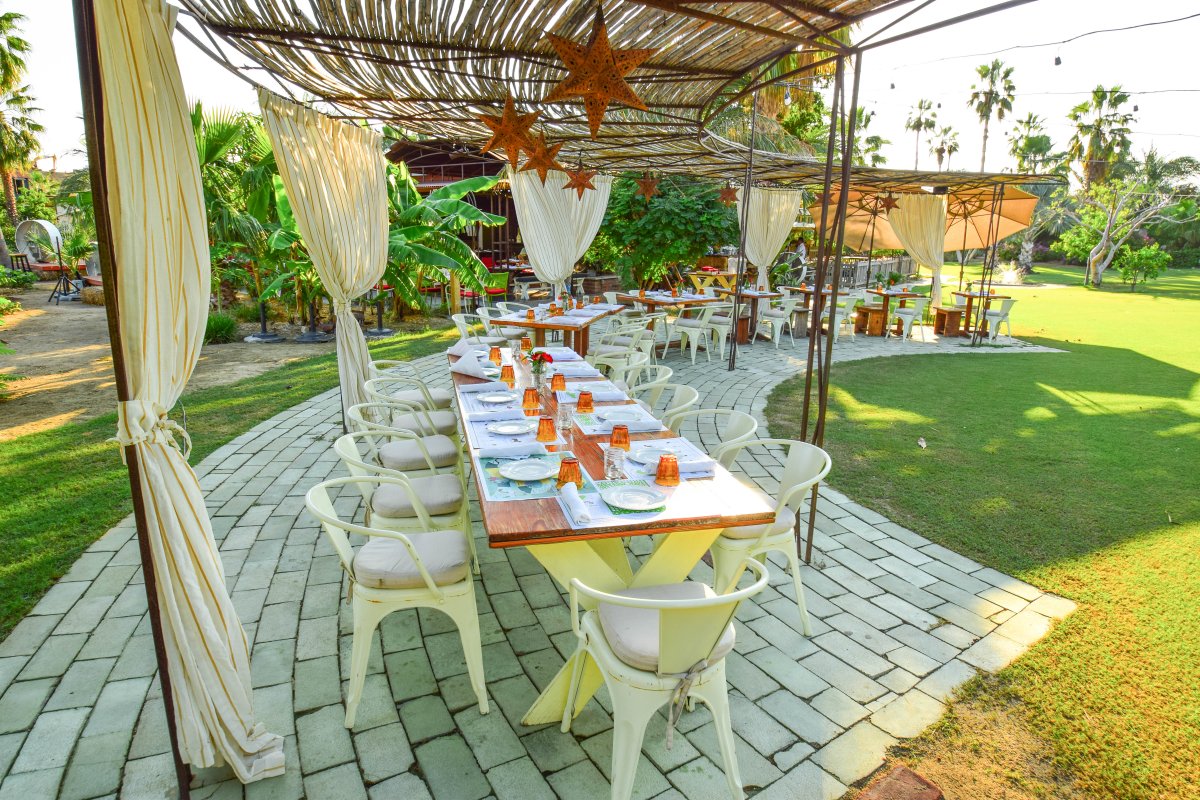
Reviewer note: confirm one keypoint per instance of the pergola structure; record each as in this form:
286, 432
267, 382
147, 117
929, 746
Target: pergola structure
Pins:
435, 67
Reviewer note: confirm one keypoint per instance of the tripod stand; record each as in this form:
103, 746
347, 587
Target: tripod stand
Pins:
64, 287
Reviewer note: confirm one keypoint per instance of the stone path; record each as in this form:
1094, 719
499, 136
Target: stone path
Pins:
899, 622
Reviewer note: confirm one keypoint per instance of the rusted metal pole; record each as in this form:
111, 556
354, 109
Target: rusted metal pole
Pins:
92, 91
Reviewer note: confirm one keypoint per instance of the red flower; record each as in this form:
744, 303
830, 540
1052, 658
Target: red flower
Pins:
542, 357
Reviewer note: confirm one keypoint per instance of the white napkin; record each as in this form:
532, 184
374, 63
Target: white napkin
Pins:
574, 504
599, 395
577, 369
606, 306
495, 416
462, 347
490, 386
513, 450
561, 354
635, 426
589, 311
468, 366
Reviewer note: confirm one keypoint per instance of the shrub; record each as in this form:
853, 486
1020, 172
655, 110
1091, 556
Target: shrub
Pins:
16, 279
1143, 264
8, 306
220, 329
245, 313
1188, 257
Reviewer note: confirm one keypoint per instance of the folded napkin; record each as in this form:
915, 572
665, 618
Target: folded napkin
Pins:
606, 306
608, 395
647, 425
462, 347
468, 366
561, 353
513, 450
574, 504
490, 386
577, 369
589, 311
495, 416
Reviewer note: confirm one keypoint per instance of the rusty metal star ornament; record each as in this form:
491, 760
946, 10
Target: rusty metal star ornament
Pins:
580, 179
647, 186
542, 157
729, 195
596, 73
510, 131
888, 203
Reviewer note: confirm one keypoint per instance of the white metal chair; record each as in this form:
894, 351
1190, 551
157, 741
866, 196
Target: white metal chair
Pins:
469, 326
778, 317
616, 365
646, 374
630, 335
680, 397
659, 645
512, 334
731, 427
509, 307
720, 324
694, 331
417, 417
398, 380
404, 451
907, 315
997, 317
394, 571
803, 466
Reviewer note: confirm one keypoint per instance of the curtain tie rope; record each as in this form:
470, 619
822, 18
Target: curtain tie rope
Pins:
341, 307
139, 421
679, 697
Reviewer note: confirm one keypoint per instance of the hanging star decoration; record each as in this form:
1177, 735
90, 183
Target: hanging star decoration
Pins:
580, 179
510, 131
596, 73
729, 195
889, 202
542, 157
647, 186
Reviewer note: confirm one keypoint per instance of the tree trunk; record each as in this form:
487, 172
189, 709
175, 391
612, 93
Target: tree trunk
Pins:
917, 151
10, 196
5, 257
983, 154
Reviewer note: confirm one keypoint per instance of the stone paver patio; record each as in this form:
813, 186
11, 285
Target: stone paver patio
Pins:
899, 623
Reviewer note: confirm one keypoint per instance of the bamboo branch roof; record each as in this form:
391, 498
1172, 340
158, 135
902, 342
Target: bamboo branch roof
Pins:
432, 67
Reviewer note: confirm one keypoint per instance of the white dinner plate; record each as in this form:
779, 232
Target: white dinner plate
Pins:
491, 370
650, 454
530, 469
511, 427
497, 398
619, 415
633, 498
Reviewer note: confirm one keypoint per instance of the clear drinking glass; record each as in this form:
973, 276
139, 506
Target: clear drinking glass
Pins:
614, 463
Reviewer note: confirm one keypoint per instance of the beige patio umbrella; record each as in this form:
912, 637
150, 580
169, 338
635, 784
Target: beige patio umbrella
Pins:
867, 227
981, 217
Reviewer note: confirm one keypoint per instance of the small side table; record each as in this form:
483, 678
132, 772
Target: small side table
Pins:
947, 321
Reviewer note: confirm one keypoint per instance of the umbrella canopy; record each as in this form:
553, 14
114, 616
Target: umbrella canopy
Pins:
867, 227
981, 217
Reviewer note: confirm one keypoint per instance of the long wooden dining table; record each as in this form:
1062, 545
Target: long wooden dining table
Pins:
576, 330
693, 517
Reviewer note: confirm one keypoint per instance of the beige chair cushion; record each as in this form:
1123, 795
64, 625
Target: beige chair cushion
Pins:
718, 319
440, 494
624, 341
607, 349
386, 564
444, 422
690, 322
441, 397
405, 454
632, 633
785, 520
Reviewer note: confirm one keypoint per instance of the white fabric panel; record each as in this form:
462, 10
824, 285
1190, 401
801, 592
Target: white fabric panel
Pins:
162, 260
334, 177
768, 225
919, 221
557, 226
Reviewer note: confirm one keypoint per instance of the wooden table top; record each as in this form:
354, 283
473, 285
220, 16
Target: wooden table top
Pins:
711, 273
981, 296
565, 322
718, 502
886, 293
753, 294
811, 291
666, 301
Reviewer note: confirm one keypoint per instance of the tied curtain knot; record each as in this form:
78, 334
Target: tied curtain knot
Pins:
142, 421
679, 696
341, 307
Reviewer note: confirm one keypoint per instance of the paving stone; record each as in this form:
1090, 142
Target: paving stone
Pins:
854, 654
906, 571
584, 780
551, 750
409, 674
279, 622
21, 703
838, 707
376, 706
95, 766
49, 743
137, 661
941, 683
317, 637
908, 715
908, 592
972, 602
81, 685
842, 676
323, 739
54, 656
109, 638
451, 771
852, 582
756, 770
9, 668
855, 754
954, 636
757, 727
806, 781
341, 782
852, 541
490, 737
27, 785
425, 718
512, 610
784, 637
519, 780
1025, 628
273, 706
1052, 606
862, 633
856, 563
402, 787
903, 551
383, 752
948, 556
60, 597
924, 643
956, 578
912, 661
10, 745
787, 672
906, 611
800, 718
648, 781
747, 678
1007, 583
272, 662
150, 738
967, 620
993, 652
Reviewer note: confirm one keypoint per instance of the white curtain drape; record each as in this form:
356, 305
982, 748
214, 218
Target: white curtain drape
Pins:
162, 265
768, 225
557, 225
335, 180
919, 221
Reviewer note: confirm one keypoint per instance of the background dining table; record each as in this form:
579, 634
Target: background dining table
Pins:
972, 299
576, 329
696, 513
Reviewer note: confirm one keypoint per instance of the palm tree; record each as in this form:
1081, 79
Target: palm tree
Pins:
1029, 143
18, 140
1101, 137
944, 145
921, 118
993, 96
12, 50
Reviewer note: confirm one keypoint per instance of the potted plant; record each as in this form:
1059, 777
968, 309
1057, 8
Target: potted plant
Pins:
538, 360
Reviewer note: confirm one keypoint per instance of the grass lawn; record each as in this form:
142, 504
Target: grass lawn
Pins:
1077, 472
64, 488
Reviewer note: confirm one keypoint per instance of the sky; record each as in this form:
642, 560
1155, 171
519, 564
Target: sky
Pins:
939, 66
